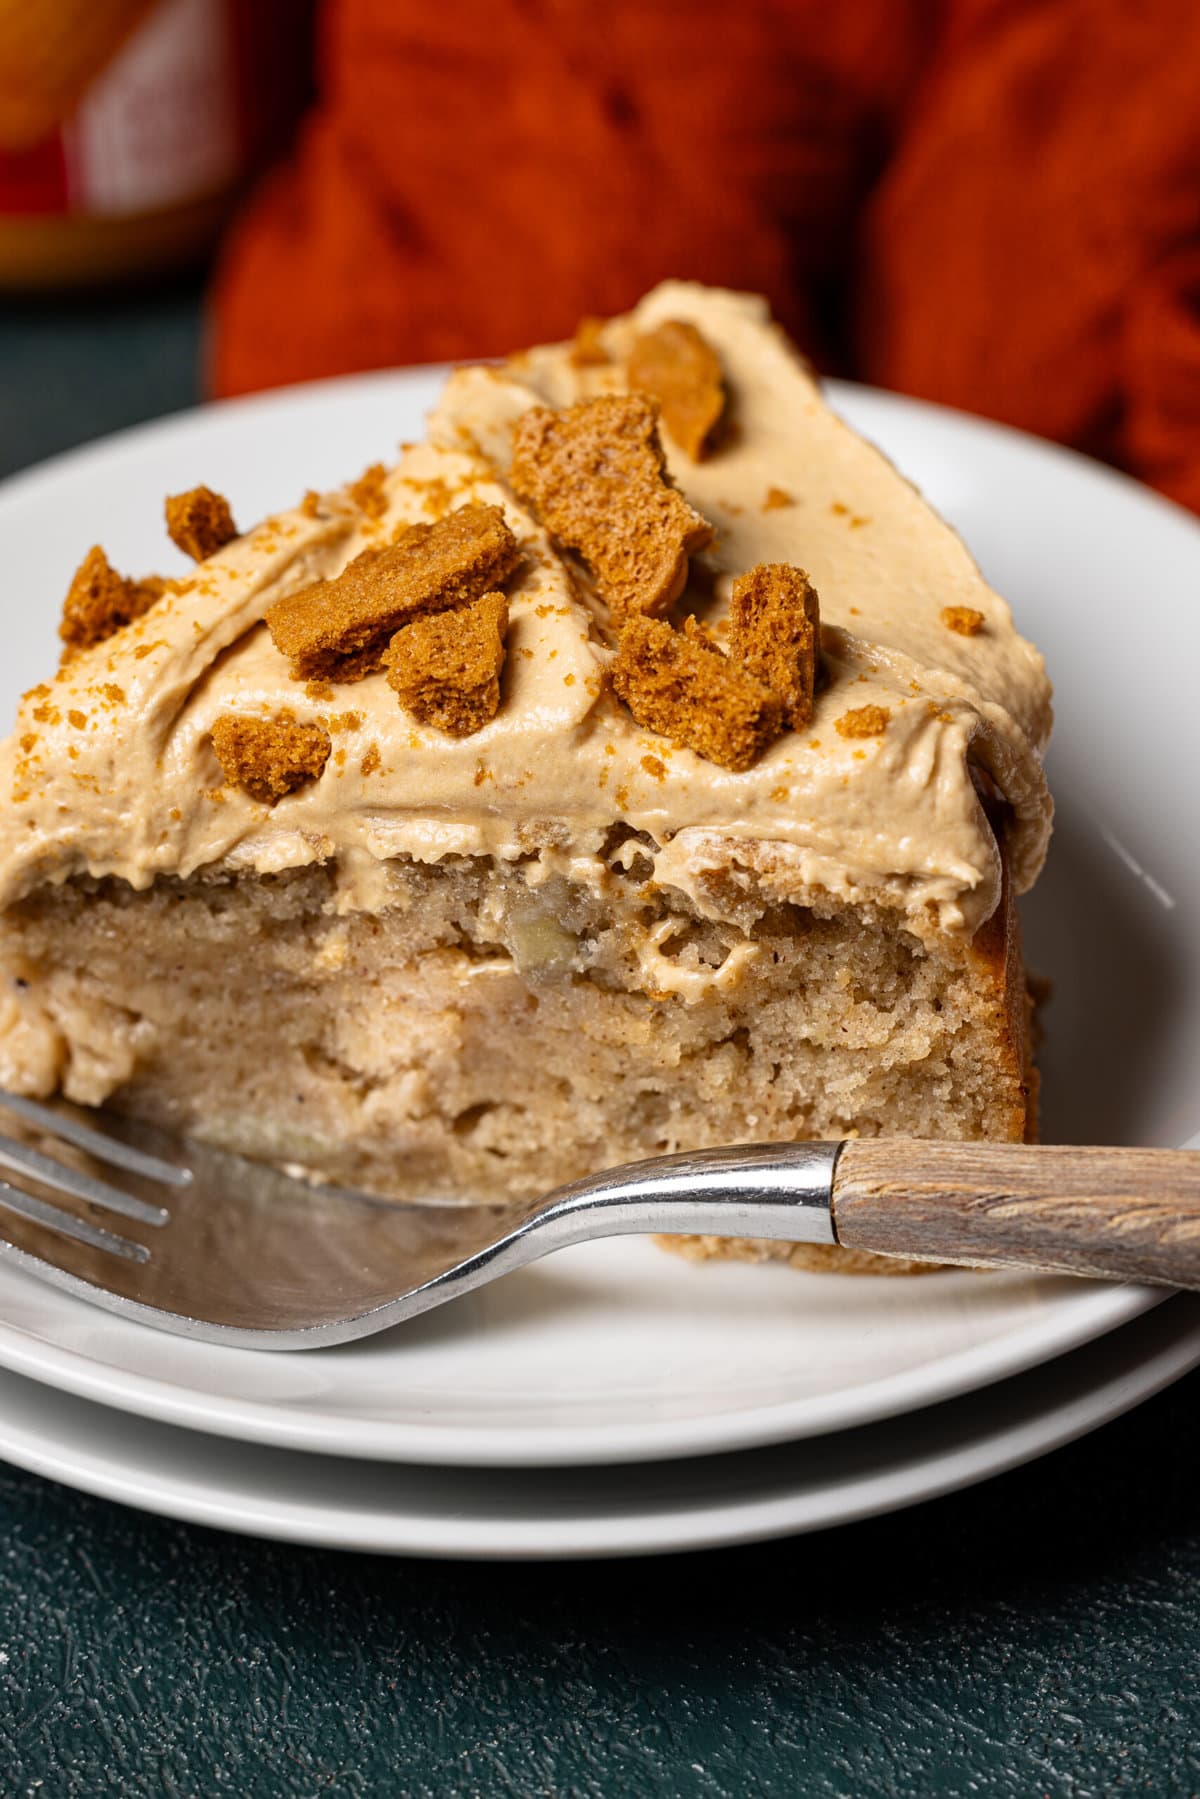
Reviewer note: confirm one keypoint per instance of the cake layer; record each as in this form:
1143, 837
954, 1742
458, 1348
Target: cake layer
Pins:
482, 1037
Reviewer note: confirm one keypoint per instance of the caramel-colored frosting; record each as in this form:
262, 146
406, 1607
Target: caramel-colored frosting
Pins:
111, 769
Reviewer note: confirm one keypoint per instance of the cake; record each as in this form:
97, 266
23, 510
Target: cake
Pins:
638, 764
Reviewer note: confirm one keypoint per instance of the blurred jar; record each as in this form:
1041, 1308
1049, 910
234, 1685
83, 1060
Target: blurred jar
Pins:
127, 128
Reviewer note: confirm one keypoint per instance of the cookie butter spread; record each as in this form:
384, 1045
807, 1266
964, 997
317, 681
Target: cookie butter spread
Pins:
113, 769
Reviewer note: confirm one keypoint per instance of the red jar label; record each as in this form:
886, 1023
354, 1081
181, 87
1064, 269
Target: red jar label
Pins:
158, 126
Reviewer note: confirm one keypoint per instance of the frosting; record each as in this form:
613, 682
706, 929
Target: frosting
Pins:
111, 769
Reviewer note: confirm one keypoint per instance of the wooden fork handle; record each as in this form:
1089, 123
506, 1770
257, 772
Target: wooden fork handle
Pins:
1118, 1214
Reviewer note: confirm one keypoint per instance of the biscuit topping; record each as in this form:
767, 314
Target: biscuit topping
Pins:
863, 721
588, 350
679, 368
339, 630
199, 522
446, 668
99, 601
596, 475
270, 757
685, 689
775, 633
967, 621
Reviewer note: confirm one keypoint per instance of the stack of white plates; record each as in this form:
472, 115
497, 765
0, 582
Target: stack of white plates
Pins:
615, 1400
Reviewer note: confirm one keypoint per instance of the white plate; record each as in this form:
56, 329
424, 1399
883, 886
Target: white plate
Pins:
616, 1351
637, 1510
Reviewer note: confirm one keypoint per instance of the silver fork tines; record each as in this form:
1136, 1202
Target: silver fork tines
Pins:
61, 1124
81, 1230
23, 1158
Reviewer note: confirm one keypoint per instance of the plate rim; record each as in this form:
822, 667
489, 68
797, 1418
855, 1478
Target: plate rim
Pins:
71, 1370
873, 1401
972, 1457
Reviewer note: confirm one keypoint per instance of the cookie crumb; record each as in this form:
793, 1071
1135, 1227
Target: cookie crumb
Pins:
862, 721
679, 368
776, 498
965, 620
775, 634
676, 684
446, 668
100, 601
199, 522
269, 757
371, 761
369, 492
596, 475
339, 630
588, 350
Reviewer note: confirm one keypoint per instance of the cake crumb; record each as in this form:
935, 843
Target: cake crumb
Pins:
862, 721
100, 601
588, 349
270, 757
596, 475
369, 492
199, 522
967, 621
340, 629
684, 689
776, 498
679, 368
446, 668
775, 634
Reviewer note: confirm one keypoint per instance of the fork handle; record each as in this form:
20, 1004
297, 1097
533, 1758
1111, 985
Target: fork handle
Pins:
1117, 1214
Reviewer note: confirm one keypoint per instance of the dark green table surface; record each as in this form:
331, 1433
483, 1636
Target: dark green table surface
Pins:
1038, 1635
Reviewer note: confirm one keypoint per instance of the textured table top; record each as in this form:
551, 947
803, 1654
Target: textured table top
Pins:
1038, 1635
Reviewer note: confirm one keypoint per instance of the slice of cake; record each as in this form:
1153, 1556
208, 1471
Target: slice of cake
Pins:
639, 764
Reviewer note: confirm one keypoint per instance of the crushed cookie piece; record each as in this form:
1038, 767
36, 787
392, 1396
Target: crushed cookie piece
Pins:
655, 767
681, 687
699, 632
339, 629
862, 721
100, 601
776, 498
199, 522
596, 475
967, 621
270, 757
371, 760
446, 669
310, 505
679, 368
369, 492
588, 349
775, 633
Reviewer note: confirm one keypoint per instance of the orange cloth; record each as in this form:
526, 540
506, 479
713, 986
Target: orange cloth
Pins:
992, 203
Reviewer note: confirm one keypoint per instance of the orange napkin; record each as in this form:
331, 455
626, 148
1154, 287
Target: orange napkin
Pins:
993, 203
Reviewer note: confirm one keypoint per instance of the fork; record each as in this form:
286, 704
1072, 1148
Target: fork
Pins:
195, 1240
